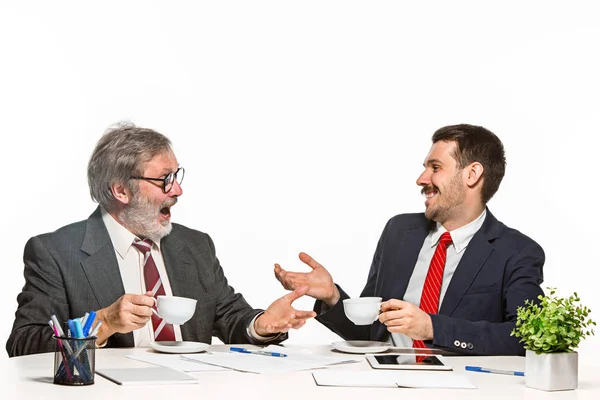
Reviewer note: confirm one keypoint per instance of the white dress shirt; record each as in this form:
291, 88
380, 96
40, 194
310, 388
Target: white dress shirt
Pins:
460, 239
131, 266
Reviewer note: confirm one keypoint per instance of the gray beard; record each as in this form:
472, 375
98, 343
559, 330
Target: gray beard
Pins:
140, 219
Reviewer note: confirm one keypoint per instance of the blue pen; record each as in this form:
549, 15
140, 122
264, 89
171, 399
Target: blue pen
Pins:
259, 352
88, 323
493, 371
72, 331
84, 319
78, 330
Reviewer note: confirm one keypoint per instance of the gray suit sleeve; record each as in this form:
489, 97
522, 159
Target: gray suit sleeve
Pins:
42, 296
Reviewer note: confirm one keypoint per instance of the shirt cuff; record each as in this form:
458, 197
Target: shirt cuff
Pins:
252, 332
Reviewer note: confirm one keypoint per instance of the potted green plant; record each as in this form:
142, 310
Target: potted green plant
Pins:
550, 332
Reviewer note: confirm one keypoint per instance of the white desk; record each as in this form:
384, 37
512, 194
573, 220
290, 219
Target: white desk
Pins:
30, 377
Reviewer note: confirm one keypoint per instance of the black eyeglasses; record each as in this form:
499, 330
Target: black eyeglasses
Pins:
167, 180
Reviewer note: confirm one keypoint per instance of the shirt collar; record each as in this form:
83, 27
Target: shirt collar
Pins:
460, 236
120, 237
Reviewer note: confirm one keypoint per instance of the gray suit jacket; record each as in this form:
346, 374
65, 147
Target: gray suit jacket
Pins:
74, 270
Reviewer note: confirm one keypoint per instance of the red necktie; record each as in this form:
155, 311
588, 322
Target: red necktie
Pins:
163, 332
430, 297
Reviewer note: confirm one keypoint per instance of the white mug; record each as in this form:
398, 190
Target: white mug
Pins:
362, 310
175, 310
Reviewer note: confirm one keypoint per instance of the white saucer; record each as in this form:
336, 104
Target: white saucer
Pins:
179, 347
361, 346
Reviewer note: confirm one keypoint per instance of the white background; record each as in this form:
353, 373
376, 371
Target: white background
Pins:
303, 125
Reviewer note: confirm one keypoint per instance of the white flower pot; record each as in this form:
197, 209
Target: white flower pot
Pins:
552, 371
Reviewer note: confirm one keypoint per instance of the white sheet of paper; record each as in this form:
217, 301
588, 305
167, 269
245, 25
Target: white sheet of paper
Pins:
394, 379
299, 354
174, 361
288, 350
247, 362
263, 364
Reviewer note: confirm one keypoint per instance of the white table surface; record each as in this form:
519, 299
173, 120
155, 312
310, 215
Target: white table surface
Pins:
30, 377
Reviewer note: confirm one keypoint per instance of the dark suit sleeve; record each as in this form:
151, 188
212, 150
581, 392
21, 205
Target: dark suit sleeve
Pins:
335, 319
233, 314
42, 296
522, 279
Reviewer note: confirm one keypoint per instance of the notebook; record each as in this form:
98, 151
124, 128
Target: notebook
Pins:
146, 376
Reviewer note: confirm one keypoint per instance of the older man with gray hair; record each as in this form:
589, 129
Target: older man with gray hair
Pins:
103, 264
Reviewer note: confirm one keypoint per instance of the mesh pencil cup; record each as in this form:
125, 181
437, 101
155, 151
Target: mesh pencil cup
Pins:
74, 361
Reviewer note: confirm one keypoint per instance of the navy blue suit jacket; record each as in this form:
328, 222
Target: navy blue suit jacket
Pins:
501, 268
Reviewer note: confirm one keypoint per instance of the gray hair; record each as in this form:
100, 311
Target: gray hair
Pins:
122, 152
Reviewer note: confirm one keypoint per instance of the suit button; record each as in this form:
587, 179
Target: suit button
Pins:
457, 343
470, 346
463, 345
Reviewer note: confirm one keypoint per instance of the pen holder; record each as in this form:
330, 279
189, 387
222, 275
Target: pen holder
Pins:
74, 361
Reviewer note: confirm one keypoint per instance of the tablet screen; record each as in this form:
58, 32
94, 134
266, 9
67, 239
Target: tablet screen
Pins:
394, 359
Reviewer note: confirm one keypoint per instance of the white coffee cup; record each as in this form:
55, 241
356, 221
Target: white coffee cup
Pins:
175, 310
362, 310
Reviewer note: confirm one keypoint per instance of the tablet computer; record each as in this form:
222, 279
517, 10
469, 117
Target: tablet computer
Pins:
408, 361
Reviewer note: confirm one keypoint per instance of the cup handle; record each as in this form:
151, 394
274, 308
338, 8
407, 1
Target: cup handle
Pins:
156, 305
377, 316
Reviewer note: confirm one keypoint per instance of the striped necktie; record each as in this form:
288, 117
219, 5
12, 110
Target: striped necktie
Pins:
163, 332
430, 297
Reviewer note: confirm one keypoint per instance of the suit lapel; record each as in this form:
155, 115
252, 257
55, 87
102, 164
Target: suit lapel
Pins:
101, 267
186, 280
476, 254
178, 262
